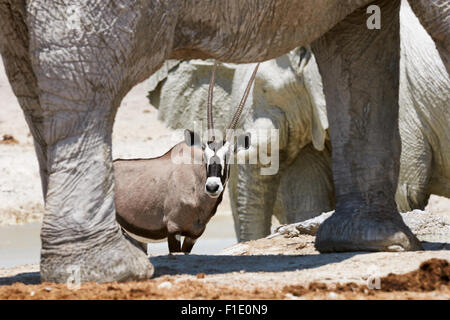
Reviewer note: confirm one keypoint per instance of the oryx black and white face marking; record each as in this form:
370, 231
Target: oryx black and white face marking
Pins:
216, 155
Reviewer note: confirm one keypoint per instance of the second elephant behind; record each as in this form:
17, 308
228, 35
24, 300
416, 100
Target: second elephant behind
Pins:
288, 96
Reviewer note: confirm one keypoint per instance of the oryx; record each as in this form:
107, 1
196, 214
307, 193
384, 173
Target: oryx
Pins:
161, 198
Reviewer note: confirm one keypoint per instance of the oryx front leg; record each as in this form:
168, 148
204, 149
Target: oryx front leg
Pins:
174, 241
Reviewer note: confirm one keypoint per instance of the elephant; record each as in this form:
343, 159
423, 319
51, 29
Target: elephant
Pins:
70, 65
288, 96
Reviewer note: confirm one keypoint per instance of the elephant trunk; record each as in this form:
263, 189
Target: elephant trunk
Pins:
252, 203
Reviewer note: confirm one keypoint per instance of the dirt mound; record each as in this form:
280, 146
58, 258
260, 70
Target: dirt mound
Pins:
431, 280
431, 275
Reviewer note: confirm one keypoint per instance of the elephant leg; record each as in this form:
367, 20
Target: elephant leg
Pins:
433, 15
80, 87
360, 72
14, 46
79, 228
252, 198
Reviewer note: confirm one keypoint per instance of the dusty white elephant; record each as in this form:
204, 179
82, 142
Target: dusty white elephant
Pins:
288, 96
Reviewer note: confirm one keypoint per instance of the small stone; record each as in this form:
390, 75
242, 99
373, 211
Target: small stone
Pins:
165, 285
333, 295
290, 296
200, 275
32, 293
396, 248
48, 289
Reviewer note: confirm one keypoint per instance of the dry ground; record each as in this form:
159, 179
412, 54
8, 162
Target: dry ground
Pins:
296, 271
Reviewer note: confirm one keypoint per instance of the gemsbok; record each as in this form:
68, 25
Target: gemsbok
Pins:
164, 197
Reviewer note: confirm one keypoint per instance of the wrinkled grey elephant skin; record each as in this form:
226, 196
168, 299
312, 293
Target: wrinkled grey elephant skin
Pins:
288, 96
70, 65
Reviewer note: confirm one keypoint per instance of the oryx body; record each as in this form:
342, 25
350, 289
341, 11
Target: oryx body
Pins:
160, 198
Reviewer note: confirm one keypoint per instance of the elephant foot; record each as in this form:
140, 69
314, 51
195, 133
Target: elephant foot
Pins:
105, 261
365, 232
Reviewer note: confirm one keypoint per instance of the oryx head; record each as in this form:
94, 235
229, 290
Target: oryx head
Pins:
216, 152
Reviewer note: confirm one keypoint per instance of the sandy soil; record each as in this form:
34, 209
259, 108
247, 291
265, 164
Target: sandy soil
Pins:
279, 268
294, 270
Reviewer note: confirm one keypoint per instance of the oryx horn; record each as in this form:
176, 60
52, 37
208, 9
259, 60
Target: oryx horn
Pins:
209, 105
235, 119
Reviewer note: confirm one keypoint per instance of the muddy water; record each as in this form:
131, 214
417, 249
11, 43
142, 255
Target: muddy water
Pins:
218, 235
21, 244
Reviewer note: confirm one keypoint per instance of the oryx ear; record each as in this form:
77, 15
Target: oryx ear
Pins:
243, 142
191, 138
